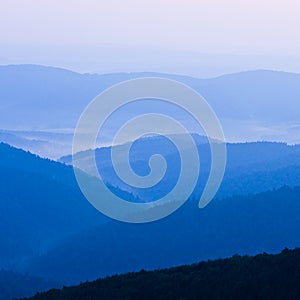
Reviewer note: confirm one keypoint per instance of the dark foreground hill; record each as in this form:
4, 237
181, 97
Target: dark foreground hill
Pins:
240, 277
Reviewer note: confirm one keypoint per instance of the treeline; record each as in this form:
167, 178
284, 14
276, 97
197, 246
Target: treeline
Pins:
263, 276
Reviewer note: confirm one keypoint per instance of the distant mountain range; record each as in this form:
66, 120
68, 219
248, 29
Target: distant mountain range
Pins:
46, 97
256, 105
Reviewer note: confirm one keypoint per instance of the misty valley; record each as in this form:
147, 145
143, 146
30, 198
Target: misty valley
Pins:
56, 245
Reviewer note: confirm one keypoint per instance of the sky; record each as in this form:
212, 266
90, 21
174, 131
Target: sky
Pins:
192, 37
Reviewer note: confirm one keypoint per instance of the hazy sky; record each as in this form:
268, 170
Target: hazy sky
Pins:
244, 27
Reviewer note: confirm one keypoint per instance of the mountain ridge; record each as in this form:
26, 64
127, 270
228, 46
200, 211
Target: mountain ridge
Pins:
44, 67
253, 105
